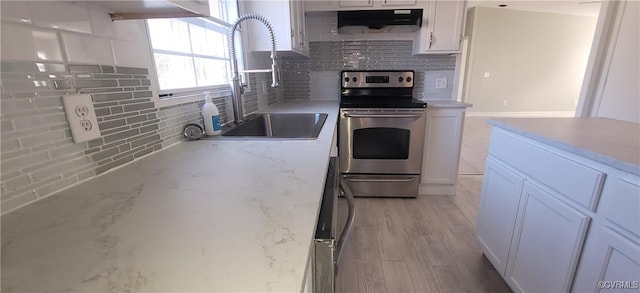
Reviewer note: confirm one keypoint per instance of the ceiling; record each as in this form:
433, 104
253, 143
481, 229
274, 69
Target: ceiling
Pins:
582, 7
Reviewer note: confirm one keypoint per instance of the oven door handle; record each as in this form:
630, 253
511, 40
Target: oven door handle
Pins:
380, 180
383, 115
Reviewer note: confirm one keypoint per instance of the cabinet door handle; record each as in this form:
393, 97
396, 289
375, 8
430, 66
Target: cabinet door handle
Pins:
430, 39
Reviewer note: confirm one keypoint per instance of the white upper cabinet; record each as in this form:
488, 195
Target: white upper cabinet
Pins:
288, 21
441, 31
335, 5
442, 20
377, 3
321, 5
397, 3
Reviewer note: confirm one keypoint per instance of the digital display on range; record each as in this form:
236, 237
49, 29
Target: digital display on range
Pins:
377, 79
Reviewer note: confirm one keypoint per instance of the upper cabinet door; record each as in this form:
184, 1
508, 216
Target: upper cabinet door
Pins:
321, 5
356, 3
376, 4
298, 27
288, 21
398, 2
441, 29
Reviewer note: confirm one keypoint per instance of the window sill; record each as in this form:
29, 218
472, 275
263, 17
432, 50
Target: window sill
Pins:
183, 98
166, 102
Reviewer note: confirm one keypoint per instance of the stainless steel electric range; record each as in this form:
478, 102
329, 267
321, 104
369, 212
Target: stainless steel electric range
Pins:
381, 133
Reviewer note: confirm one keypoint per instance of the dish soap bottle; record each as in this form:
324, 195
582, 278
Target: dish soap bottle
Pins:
211, 116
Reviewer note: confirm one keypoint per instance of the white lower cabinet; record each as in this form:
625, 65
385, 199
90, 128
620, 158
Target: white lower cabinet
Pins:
497, 212
443, 138
611, 252
611, 258
532, 239
547, 243
543, 236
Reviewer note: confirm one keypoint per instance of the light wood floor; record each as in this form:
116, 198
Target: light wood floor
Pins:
424, 244
475, 144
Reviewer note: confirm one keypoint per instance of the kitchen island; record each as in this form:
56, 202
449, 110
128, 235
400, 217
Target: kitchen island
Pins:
560, 204
207, 216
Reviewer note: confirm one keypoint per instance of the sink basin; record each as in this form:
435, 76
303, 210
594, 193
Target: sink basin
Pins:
278, 126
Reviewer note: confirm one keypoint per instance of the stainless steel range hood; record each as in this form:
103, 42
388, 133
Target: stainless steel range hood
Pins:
376, 21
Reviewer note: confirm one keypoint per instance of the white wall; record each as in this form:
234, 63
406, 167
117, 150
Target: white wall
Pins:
619, 97
535, 61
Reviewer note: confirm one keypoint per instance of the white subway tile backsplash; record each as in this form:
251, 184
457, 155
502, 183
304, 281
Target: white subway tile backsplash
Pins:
21, 42
15, 11
101, 24
87, 49
130, 30
130, 53
60, 15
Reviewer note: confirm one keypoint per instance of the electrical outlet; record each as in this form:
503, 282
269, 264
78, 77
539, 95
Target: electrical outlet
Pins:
441, 83
82, 117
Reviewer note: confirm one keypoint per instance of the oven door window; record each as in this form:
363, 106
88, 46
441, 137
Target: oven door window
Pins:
381, 143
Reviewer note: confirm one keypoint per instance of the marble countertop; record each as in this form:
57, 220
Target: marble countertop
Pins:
446, 104
612, 142
200, 216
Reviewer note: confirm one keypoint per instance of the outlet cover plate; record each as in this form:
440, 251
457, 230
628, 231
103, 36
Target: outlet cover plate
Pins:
441, 83
82, 117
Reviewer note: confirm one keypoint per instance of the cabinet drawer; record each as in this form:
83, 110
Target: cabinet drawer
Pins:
622, 204
578, 182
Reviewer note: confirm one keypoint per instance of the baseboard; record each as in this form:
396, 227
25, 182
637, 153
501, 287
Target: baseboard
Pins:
430, 189
522, 114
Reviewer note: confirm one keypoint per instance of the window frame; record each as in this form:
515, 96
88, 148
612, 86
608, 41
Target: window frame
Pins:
165, 98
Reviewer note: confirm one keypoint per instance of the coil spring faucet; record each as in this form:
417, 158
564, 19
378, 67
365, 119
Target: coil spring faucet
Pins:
237, 90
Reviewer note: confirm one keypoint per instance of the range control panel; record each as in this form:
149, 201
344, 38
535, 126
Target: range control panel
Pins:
377, 79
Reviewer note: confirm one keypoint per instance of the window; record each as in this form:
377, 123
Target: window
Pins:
191, 54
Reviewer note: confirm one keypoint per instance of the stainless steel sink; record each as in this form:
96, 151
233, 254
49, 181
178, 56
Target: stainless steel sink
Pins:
278, 126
